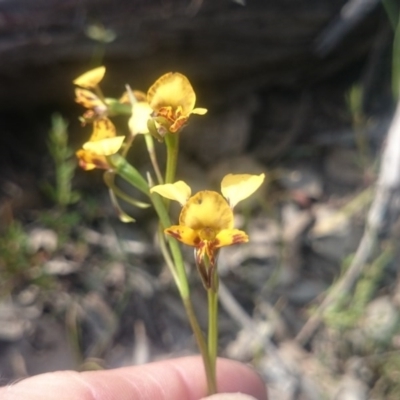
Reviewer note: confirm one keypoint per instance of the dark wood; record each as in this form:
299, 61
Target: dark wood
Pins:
219, 44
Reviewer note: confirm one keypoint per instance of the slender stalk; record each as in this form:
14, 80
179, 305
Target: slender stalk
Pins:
213, 330
172, 143
166, 255
208, 366
153, 158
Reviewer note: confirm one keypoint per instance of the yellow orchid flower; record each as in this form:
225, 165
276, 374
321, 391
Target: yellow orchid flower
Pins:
102, 143
206, 218
90, 79
172, 99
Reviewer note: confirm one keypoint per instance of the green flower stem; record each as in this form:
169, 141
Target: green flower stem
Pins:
153, 158
208, 366
162, 213
116, 108
166, 255
212, 295
172, 143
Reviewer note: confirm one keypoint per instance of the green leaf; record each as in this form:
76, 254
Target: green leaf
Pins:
109, 181
128, 172
122, 215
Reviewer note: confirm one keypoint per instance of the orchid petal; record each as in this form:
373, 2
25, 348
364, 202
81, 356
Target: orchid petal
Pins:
102, 129
88, 99
141, 113
172, 89
105, 147
236, 188
207, 209
89, 160
227, 237
90, 79
178, 191
199, 111
183, 234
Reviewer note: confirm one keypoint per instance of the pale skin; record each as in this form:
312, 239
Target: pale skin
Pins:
177, 379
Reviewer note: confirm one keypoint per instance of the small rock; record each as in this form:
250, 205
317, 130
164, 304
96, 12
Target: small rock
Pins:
60, 266
329, 221
250, 341
42, 239
28, 296
380, 319
116, 275
351, 388
333, 236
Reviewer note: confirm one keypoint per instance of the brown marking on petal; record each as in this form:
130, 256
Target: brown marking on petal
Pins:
167, 113
101, 163
174, 234
83, 164
91, 161
88, 117
178, 124
238, 238
197, 242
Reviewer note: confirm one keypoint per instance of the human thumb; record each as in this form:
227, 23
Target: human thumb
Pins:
229, 396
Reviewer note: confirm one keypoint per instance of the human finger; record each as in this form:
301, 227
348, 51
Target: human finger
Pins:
181, 378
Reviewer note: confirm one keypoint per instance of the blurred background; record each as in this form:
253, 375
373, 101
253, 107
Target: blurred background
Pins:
303, 91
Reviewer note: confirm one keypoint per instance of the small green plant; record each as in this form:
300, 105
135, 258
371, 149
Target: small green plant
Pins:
387, 369
348, 310
61, 192
359, 122
18, 266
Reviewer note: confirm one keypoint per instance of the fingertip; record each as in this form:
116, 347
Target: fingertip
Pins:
236, 377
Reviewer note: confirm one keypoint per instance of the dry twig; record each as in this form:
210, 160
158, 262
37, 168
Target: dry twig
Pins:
388, 182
